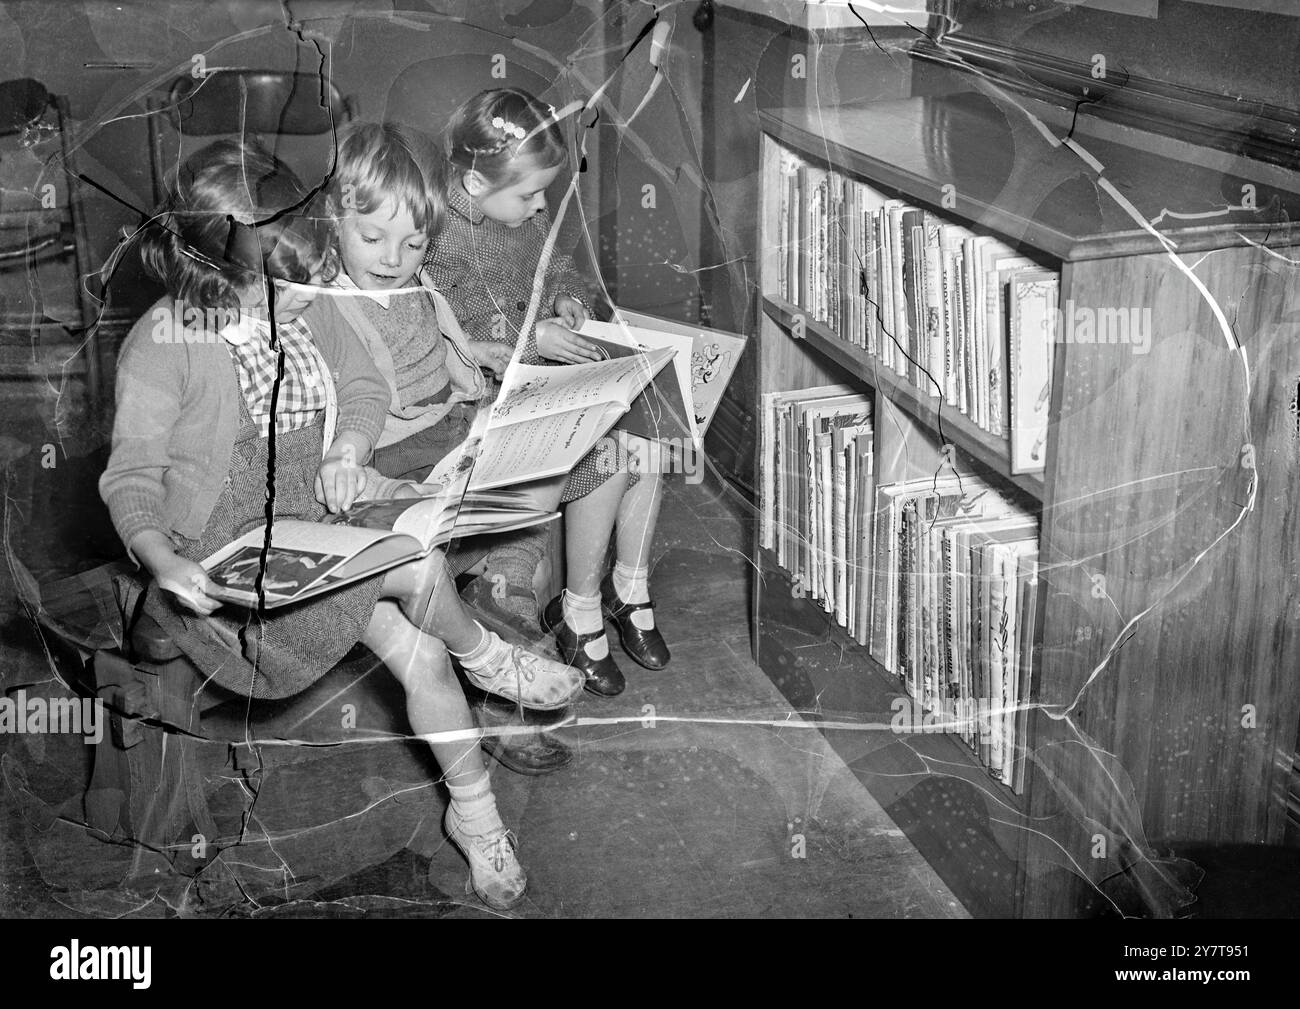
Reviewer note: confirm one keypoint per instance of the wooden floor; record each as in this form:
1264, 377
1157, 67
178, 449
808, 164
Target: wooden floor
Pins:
709, 810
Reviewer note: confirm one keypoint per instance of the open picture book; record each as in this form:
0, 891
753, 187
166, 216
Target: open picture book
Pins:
306, 559
547, 417
703, 363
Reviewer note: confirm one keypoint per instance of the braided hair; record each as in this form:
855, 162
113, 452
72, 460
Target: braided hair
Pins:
495, 127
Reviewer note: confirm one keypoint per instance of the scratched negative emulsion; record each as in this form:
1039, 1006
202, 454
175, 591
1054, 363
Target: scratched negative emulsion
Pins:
708, 777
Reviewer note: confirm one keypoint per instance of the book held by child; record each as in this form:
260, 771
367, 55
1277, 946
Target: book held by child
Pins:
305, 559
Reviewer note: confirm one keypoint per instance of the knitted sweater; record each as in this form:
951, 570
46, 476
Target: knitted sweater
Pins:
406, 324
485, 270
178, 415
467, 382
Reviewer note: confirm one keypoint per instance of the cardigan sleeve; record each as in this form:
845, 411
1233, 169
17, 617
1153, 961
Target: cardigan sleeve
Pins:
363, 394
149, 385
380, 487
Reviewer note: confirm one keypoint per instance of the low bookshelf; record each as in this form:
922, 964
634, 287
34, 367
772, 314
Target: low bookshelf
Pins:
1153, 685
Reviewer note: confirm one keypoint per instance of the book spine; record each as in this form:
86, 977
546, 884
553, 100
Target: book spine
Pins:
783, 230
982, 659
905, 599
804, 197
997, 655
767, 437
952, 684
866, 527
851, 534
966, 328
873, 299
839, 529
825, 522
792, 237
806, 529
1028, 618
932, 293
1008, 672
899, 322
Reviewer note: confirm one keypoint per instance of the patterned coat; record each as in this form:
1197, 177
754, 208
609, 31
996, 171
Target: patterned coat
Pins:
485, 270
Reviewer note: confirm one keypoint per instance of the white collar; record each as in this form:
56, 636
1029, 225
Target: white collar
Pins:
239, 333
346, 283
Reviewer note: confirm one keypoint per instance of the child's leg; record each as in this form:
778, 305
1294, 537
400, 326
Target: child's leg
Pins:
626, 592
588, 523
435, 703
638, 512
574, 616
517, 563
427, 595
434, 699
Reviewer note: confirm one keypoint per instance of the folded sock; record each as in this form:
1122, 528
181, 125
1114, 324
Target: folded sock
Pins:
511, 564
475, 805
633, 586
631, 583
583, 614
475, 656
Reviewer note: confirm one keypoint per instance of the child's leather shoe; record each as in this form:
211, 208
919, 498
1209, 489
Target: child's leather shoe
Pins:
604, 678
645, 646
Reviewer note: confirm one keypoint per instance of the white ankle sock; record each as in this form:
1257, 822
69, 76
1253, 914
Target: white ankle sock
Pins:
475, 656
633, 586
583, 614
631, 583
475, 804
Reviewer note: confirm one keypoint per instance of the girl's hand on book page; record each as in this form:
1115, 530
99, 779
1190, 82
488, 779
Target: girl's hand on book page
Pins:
490, 355
187, 583
555, 343
340, 480
570, 310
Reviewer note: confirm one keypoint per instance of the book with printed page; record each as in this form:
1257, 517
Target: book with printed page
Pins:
547, 418
306, 559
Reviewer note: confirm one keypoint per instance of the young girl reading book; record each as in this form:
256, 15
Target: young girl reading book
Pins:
210, 417
505, 149
384, 199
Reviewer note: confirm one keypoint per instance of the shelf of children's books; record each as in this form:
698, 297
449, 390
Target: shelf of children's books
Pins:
990, 451
1005, 173
936, 748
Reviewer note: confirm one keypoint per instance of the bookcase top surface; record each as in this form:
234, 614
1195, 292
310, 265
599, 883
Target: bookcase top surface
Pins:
1006, 170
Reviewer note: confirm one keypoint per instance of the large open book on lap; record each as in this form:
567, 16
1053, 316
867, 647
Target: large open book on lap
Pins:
547, 417
306, 559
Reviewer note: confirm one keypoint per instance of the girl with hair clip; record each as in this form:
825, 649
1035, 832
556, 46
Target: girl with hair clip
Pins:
505, 148
188, 472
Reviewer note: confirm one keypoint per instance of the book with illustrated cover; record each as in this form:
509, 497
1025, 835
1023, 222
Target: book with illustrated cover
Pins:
305, 559
703, 365
995, 392
1031, 297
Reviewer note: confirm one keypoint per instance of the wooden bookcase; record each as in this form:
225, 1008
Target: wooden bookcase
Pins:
1165, 696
